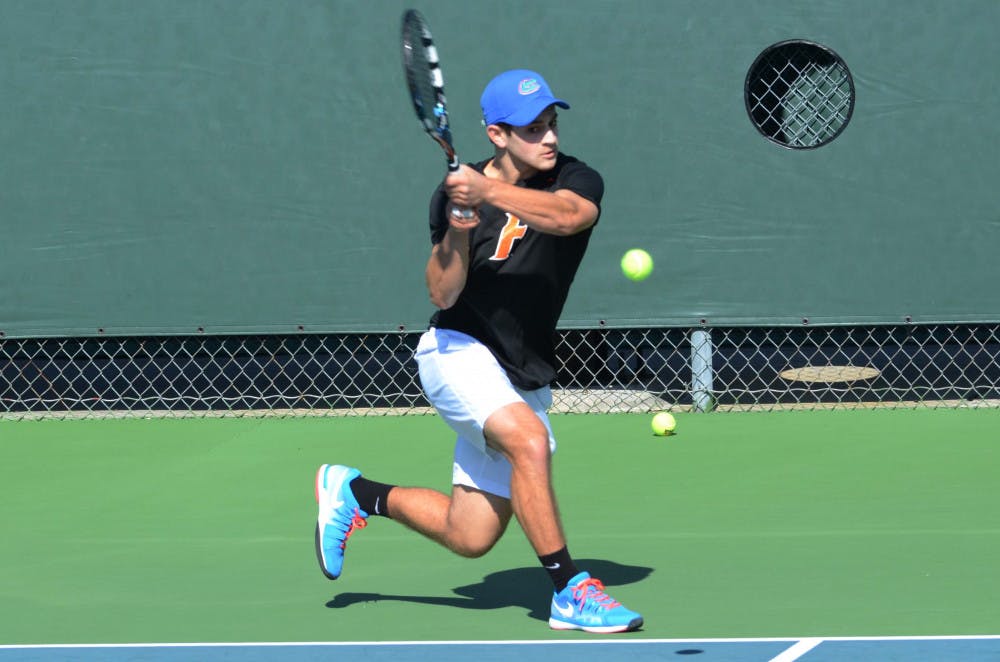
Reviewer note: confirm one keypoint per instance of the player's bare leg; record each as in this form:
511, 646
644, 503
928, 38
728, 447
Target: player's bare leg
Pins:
579, 602
518, 433
469, 522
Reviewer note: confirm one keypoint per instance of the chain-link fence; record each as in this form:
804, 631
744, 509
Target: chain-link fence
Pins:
601, 370
799, 94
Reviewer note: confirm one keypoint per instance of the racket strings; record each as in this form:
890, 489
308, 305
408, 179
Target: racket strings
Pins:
428, 97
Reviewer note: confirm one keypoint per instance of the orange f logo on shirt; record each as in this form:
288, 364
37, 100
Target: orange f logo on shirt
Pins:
510, 233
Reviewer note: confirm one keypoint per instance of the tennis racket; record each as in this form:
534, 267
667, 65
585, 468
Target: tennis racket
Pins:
426, 84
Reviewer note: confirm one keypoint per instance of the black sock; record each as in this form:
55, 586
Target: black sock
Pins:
560, 567
373, 498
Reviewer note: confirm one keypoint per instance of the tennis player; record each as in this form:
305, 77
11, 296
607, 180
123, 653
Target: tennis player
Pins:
499, 278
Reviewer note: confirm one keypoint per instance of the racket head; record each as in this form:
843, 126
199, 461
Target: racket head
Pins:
426, 82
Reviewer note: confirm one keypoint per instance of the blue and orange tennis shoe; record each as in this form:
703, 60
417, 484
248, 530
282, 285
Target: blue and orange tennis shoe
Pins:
583, 605
339, 516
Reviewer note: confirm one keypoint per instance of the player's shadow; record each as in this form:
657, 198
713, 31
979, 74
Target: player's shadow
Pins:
528, 588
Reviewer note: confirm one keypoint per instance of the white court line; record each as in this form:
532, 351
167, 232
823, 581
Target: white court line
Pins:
509, 642
444, 642
798, 650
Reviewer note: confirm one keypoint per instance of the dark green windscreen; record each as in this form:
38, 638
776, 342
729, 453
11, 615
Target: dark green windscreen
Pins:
255, 166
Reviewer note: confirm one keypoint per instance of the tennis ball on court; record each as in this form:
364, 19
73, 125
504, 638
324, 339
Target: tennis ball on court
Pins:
637, 264
664, 424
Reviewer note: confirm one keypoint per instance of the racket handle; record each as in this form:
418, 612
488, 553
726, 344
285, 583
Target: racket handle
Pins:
458, 212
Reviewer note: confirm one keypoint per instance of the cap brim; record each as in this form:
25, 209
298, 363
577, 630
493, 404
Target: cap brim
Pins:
527, 113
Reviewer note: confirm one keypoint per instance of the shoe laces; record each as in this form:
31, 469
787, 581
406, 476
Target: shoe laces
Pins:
357, 522
592, 590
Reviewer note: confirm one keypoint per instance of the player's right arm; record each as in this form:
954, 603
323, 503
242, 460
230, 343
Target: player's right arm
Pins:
448, 265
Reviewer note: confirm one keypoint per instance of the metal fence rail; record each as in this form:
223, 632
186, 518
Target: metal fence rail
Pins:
600, 370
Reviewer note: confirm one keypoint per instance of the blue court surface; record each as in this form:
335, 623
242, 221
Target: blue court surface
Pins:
811, 649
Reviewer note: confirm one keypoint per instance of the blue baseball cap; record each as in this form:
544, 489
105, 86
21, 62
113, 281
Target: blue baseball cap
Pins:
517, 97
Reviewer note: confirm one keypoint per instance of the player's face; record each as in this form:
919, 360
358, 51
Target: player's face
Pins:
537, 144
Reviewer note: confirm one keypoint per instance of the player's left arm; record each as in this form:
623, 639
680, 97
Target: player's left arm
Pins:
560, 212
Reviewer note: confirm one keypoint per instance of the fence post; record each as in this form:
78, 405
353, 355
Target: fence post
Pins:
701, 370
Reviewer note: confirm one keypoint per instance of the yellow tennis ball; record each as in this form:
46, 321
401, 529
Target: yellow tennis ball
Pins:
664, 424
637, 264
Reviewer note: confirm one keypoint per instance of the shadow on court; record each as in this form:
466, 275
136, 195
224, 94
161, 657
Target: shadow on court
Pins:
527, 588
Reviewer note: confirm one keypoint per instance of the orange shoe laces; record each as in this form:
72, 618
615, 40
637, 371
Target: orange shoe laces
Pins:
593, 588
357, 522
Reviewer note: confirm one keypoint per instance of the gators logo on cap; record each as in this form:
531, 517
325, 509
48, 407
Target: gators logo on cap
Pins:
528, 86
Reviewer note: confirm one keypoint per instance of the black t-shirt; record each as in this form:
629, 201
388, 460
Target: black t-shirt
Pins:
518, 277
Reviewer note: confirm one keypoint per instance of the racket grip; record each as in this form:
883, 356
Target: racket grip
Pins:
458, 212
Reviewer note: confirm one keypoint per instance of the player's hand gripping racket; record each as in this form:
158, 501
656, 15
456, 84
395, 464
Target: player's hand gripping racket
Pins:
426, 83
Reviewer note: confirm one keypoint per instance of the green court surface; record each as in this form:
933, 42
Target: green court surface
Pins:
824, 523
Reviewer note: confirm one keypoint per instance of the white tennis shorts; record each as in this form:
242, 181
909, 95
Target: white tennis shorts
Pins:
464, 382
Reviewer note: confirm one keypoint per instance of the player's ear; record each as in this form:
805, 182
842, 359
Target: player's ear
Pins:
497, 135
